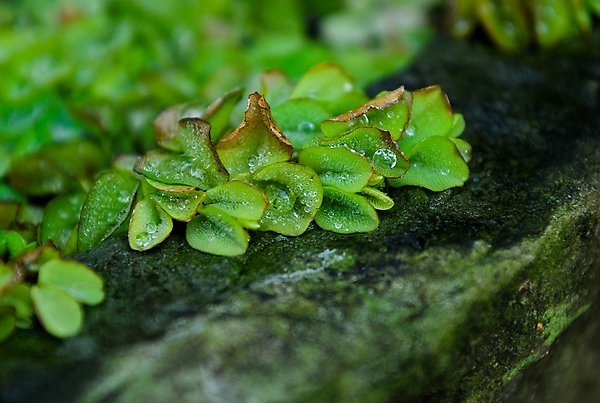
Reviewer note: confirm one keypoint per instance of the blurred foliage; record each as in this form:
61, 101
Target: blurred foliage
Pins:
516, 24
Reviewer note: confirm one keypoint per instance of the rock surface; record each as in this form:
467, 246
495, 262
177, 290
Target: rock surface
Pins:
449, 300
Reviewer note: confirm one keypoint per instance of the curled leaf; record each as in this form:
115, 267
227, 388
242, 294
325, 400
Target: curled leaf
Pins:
257, 142
149, 225
216, 232
345, 213
377, 199
74, 278
435, 164
431, 116
106, 206
168, 131
505, 21
58, 312
389, 111
178, 201
338, 167
198, 165
238, 199
464, 148
294, 193
375, 145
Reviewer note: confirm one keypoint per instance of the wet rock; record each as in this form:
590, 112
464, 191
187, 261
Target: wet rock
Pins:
450, 299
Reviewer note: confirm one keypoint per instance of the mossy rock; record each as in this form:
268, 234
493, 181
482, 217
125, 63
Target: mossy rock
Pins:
448, 300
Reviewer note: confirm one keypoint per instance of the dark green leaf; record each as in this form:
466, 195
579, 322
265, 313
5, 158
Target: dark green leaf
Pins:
7, 324
61, 215
106, 206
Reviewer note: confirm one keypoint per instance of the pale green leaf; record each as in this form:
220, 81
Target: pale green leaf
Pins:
149, 225
345, 213
238, 199
216, 232
58, 312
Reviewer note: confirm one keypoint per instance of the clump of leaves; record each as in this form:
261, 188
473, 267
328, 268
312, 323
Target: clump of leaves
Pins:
514, 24
36, 281
324, 152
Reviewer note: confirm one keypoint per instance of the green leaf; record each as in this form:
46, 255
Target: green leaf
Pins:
506, 21
458, 125
435, 164
14, 243
338, 167
198, 165
149, 225
218, 113
389, 111
377, 198
6, 274
61, 215
554, 21
74, 278
106, 206
275, 86
216, 232
330, 84
180, 202
294, 193
238, 199
7, 324
56, 169
257, 142
375, 145
464, 148
431, 116
345, 213
299, 119
59, 313
18, 297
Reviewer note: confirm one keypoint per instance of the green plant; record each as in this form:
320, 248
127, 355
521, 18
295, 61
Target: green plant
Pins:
281, 167
36, 280
514, 24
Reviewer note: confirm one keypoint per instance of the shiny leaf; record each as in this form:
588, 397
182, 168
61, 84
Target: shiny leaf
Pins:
216, 232
345, 213
377, 199
389, 111
238, 199
300, 119
294, 193
61, 215
106, 206
149, 225
375, 145
435, 164
338, 167
257, 142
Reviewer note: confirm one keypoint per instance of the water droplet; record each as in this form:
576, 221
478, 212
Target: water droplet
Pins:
410, 131
306, 126
348, 87
385, 157
143, 239
444, 171
337, 225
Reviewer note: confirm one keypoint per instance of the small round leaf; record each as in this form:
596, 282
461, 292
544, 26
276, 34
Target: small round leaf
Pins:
149, 225
58, 312
74, 278
345, 213
238, 199
216, 232
338, 167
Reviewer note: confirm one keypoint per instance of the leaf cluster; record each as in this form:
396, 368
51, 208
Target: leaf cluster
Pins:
36, 281
319, 150
515, 24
